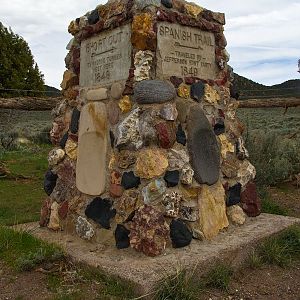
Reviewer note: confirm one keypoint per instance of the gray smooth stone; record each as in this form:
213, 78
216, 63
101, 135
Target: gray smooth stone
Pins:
203, 147
154, 91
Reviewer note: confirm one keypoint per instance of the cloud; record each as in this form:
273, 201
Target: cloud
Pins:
263, 35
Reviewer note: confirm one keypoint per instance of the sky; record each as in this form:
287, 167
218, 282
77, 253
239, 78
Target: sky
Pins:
263, 35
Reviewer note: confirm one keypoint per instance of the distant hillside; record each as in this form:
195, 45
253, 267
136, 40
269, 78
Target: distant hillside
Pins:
251, 89
51, 91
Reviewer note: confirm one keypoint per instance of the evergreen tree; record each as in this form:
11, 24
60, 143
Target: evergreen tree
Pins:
18, 69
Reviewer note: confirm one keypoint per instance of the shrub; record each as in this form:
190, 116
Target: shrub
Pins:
279, 250
274, 157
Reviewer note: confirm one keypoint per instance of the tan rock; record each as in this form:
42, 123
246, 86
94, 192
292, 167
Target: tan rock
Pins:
230, 167
212, 210
142, 63
73, 27
70, 79
246, 173
92, 149
193, 10
97, 94
236, 215
55, 156
126, 158
54, 217
71, 149
151, 163
125, 104
190, 192
211, 95
226, 146
116, 90
127, 204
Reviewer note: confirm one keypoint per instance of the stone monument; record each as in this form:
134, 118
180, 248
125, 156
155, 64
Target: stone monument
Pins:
148, 150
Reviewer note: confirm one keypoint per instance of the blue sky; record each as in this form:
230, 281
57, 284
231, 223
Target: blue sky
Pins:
263, 35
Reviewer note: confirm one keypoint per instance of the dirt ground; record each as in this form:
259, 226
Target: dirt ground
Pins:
27, 285
287, 196
266, 283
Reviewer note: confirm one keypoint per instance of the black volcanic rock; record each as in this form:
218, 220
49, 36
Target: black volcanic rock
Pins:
154, 91
197, 90
74, 125
180, 235
167, 3
234, 195
93, 18
122, 237
63, 140
203, 147
180, 135
50, 182
219, 127
129, 180
172, 178
100, 211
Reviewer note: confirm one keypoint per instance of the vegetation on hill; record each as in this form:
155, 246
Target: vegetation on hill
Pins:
18, 70
51, 91
251, 89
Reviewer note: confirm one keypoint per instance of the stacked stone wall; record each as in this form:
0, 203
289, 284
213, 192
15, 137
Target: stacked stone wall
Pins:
148, 150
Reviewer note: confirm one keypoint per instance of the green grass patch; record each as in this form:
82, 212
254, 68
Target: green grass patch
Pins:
218, 277
279, 250
111, 286
180, 286
80, 279
29, 161
268, 205
24, 252
20, 199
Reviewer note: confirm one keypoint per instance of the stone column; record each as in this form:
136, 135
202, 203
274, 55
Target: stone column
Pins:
149, 151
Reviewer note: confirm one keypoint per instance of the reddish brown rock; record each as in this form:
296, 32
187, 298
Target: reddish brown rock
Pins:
57, 131
251, 202
176, 81
63, 210
166, 133
116, 177
45, 213
116, 189
149, 231
113, 112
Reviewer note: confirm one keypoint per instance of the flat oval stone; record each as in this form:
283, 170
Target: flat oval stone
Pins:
153, 91
203, 147
92, 149
97, 94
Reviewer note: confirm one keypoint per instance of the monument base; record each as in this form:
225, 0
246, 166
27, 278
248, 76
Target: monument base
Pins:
231, 246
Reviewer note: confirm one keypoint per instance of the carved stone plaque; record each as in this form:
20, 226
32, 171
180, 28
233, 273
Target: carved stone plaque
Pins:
185, 51
106, 58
